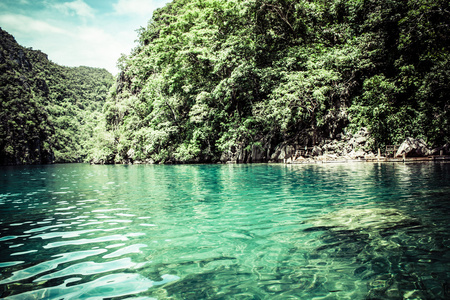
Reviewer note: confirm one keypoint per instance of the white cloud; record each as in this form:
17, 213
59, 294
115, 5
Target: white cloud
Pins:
97, 48
77, 7
140, 7
85, 46
96, 41
24, 24
75, 46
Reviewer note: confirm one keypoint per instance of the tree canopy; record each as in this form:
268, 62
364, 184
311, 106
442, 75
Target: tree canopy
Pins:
49, 113
208, 76
211, 77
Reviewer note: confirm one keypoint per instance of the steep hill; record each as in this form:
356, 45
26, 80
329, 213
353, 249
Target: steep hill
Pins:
48, 112
212, 78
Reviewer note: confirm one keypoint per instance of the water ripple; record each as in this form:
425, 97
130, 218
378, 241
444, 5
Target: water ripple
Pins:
65, 234
126, 250
103, 239
359, 231
50, 264
112, 285
89, 268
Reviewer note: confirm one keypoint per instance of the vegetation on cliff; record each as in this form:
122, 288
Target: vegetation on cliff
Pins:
211, 77
210, 80
48, 112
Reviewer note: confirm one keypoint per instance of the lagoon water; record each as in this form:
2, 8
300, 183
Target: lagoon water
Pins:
332, 231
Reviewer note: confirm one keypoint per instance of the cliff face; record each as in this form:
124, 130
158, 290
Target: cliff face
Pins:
247, 81
24, 125
46, 109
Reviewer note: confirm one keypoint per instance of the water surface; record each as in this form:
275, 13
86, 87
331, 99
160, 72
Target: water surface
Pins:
337, 231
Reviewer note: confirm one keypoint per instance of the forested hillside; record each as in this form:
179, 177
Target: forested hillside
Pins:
48, 112
213, 77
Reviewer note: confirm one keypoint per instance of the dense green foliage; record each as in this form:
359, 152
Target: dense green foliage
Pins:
49, 113
212, 75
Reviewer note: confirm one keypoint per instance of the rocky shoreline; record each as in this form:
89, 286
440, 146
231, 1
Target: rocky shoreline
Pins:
346, 147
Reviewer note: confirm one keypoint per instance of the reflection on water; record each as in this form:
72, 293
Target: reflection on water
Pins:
354, 231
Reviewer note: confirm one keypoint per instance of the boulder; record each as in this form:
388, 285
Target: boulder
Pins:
355, 154
282, 153
228, 156
442, 149
413, 147
276, 153
316, 151
286, 152
363, 132
361, 140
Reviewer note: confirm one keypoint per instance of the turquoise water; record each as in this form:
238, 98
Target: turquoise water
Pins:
334, 231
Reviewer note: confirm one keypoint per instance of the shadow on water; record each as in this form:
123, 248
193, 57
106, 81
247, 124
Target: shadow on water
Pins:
386, 249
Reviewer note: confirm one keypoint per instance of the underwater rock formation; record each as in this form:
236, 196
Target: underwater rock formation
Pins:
384, 247
370, 219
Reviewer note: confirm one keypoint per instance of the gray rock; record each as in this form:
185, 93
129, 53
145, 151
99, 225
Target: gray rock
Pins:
362, 218
437, 151
286, 152
363, 132
316, 151
242, 155
276, 153
413, 147
357, 154
226, 156
361, 140
282, 154
257, 154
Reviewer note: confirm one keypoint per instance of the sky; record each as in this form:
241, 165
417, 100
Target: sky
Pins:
75, 33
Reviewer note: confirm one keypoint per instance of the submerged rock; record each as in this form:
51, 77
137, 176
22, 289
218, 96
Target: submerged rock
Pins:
377, 244
363, 219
